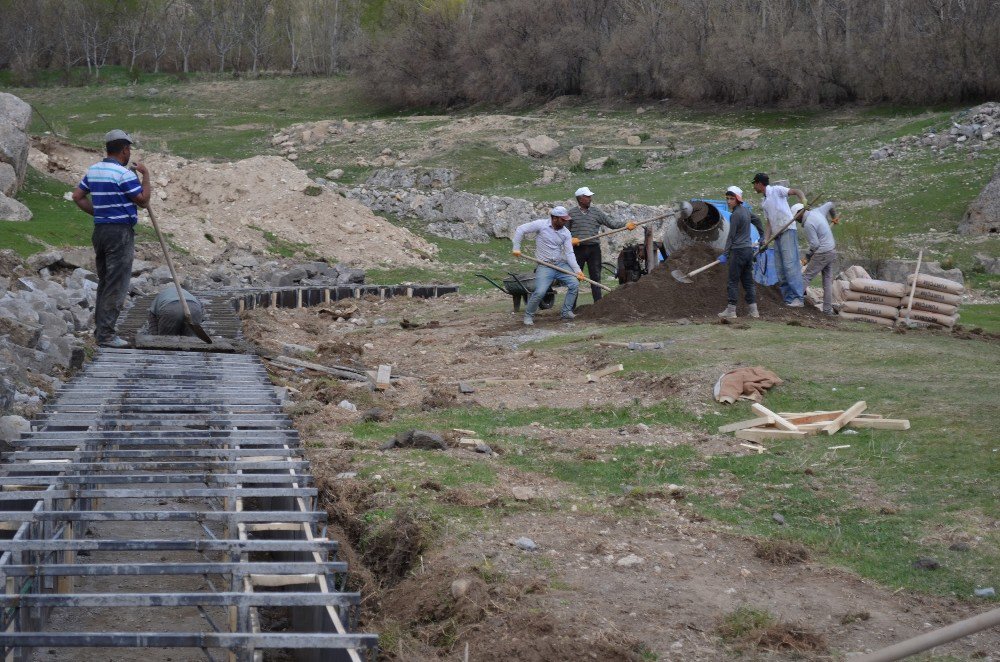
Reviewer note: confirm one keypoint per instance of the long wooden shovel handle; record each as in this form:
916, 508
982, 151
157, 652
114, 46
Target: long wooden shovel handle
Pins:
170, 266
700, 269
565, 271
623, 229
913, 288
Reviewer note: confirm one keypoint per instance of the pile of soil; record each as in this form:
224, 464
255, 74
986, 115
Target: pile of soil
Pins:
657, 296
254, 203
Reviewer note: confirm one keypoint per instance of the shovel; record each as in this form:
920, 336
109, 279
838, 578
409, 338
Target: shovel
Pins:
565, 271
682, 277
623, 229
198, 331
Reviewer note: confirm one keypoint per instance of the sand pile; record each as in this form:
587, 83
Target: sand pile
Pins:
206, 207
657, 296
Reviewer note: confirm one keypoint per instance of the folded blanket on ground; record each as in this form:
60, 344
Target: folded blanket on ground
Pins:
745, 384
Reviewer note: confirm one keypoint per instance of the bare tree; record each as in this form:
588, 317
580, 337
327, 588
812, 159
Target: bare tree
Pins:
257, 29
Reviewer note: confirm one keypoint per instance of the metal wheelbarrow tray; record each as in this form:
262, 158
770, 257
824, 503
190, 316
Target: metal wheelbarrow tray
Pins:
520, 286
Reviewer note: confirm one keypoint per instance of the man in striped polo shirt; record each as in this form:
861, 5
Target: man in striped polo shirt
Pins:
114, 193
586, 222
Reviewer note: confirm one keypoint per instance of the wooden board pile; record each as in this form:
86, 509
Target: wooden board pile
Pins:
790, 425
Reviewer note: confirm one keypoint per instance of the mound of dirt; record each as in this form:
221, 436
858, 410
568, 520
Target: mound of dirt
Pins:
657, 296
255, 204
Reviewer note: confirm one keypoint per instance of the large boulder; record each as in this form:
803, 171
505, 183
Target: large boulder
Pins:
990, 264
14, 149
541, 146
8, 179
983, 215
12, 210
15, 111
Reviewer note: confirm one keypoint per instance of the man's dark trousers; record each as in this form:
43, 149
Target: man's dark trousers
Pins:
589, 255
740, 262
114, 248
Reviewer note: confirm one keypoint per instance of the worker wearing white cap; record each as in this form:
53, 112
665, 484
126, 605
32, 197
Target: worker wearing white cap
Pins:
739, 253
111, 193
585, 224
822, 255
786, 246
553, 244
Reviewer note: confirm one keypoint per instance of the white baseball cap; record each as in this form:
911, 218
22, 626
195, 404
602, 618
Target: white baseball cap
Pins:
737, 191
559, 211
796, 208
583, 190
117, 134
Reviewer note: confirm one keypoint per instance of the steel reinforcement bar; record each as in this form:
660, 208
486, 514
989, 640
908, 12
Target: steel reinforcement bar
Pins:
168, 489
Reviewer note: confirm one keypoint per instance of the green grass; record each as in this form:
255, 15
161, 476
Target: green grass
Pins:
984, 316
55, 221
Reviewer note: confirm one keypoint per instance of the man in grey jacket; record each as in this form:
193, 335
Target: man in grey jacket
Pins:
739, 253
822, 255
166, 315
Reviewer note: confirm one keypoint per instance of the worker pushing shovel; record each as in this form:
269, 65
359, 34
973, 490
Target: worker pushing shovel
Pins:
555, 259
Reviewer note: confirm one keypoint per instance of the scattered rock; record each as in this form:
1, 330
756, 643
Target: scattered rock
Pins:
11, 429
541, 146
464, 387
526, 544
629, 561
575, 156
959, 547
881, 153
416, 439
926, 563
633, 140
460, 587
595, 164
12, 210
348, 405
990, 265
376, 415
983, 215
988, 592
779, 518
523, 493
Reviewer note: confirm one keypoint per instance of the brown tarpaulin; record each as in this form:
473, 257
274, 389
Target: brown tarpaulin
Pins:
746, 384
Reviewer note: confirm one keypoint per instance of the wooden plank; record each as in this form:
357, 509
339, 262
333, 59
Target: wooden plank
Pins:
604, 372
741, 425
383, 378
767, 434
812, 417
880, 423
849, 415
342, 372
779, 421
754, 447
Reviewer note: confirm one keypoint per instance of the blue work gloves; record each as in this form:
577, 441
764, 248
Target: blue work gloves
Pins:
722, 258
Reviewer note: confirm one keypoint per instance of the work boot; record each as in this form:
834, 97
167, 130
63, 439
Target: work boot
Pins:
115, 343
754, 313
728, 313
796, 303
529, 320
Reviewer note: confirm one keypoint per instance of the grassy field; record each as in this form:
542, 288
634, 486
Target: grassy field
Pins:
874, 507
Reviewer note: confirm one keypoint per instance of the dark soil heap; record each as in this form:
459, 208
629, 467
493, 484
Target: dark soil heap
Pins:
657, 296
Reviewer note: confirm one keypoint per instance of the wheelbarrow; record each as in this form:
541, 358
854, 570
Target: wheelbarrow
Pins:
520, 286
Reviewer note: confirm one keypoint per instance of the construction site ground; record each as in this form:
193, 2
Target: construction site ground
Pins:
655, 536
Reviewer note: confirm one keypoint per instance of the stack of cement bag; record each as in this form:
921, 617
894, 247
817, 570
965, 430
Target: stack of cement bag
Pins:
870, 300
935, 300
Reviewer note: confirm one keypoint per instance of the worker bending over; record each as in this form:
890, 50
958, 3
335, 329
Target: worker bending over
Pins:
822, 255
585, 224
554, 245
739, 253
166, 315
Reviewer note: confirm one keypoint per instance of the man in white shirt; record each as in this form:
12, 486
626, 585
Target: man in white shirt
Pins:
553, 244
786, 246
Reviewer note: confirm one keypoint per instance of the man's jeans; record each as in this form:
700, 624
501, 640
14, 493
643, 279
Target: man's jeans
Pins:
741, 272
114, 247
543, 279
786, 257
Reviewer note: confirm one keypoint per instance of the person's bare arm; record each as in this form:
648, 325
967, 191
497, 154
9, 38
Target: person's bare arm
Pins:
80, 197
799, 194
142, 199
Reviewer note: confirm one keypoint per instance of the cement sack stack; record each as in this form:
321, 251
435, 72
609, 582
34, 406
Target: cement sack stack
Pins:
935, 300
871, 300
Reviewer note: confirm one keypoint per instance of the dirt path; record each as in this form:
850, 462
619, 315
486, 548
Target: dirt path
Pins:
651, 585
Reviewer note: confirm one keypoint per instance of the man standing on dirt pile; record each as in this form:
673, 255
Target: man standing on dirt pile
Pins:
786, 246
166, 315
114, 192
822, 255
586, 222
739, 253
554, 245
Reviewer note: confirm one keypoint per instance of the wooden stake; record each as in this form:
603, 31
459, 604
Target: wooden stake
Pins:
846, 417
780, 422
913, 288
383, 378
742, 425
767, 434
